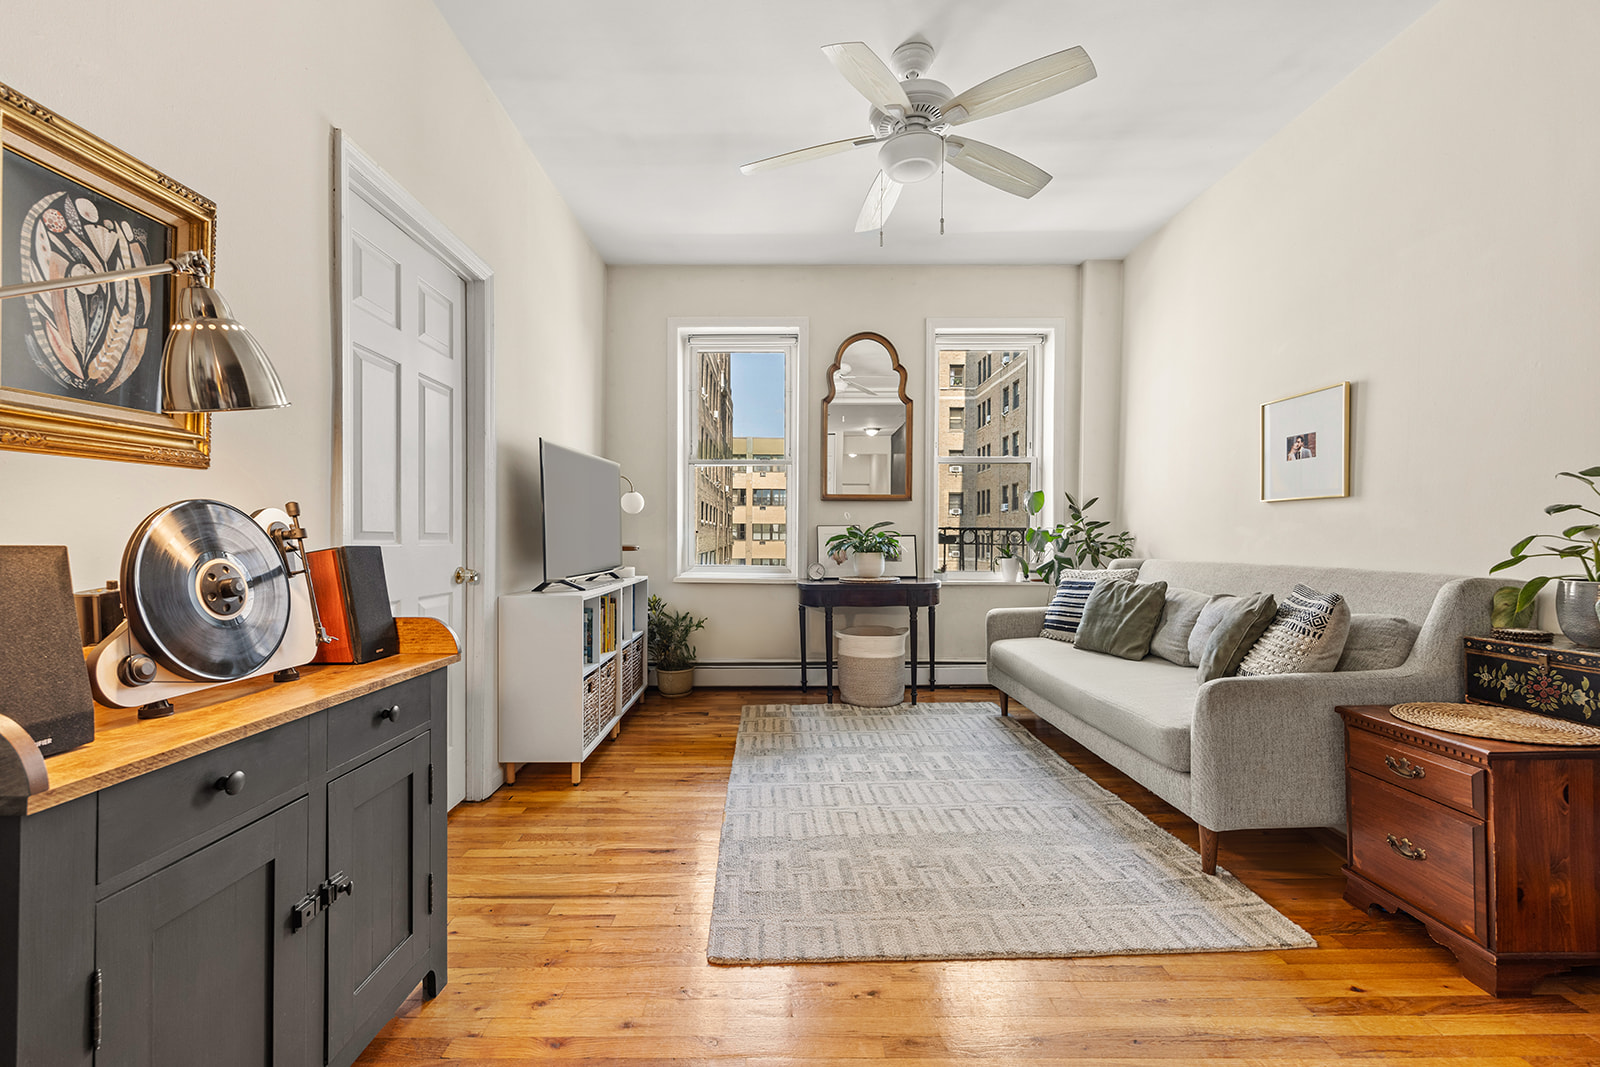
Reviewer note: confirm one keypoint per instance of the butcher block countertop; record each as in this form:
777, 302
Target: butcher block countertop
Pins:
126, 746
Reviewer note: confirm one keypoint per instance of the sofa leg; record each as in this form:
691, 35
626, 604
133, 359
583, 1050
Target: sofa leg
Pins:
1005, 702
1208, 851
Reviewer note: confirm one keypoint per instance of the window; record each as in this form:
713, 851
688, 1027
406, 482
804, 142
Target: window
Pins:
991, 494
958, 416
958, 375
737, 425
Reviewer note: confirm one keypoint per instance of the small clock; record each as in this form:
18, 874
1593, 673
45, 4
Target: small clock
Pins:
817, 571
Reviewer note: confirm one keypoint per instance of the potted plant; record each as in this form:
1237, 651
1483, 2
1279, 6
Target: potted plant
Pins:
670, 649
1577, 595
1010, 562
870, 547
1080, 542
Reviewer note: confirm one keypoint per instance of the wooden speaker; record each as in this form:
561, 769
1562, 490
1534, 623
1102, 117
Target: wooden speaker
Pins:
44, 684
353, 600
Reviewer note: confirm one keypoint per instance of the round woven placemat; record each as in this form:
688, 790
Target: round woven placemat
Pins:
1505, 724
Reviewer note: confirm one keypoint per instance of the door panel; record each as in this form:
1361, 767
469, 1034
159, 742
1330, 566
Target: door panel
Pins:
377, 448
378, 836
200, 963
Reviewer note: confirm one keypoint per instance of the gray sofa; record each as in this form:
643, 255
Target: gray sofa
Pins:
1238, 753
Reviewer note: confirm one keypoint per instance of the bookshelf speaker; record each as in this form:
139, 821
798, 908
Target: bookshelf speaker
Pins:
44, 684
353, 600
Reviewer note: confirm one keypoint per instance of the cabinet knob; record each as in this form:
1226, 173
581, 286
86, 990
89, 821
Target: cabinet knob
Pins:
232, 785
390, 713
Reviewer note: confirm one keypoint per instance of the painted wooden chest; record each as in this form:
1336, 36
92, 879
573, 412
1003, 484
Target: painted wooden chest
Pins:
1557, 679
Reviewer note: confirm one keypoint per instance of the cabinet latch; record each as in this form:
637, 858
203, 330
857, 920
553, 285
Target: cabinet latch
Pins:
321, 899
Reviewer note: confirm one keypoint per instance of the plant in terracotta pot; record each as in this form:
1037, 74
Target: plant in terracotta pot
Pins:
670, 649
870, 546
1577, 595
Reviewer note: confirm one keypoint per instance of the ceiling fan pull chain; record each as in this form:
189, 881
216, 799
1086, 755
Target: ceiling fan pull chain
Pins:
941, 187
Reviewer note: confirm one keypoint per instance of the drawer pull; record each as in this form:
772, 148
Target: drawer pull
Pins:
232, 785
390, 713
1407, 849
1404, 767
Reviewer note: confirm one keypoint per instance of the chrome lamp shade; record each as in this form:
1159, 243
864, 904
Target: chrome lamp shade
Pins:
212, 363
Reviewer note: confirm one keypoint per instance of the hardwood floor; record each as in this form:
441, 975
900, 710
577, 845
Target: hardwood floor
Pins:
578, 921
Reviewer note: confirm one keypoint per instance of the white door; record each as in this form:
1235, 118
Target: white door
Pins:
406, 488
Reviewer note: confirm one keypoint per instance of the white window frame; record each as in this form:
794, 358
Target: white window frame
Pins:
687, 338
1045, 399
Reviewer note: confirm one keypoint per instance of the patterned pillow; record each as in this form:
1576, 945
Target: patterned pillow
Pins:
1307, 636
1061, 617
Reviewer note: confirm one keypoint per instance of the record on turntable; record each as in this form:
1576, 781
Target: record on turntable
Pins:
212, 595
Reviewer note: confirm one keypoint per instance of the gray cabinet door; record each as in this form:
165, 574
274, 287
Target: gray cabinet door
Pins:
200, 962
377, 934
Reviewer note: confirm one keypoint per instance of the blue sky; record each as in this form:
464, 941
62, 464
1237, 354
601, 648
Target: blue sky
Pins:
757, 394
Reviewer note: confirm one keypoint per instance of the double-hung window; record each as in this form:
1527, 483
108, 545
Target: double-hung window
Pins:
1009, 367
738, 452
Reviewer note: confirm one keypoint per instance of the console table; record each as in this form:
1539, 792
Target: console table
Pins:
908, 593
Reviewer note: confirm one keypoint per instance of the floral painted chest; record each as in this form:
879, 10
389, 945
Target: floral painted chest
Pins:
1556, 679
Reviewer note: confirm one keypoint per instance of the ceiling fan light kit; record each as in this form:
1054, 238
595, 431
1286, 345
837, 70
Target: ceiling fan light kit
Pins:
911, 117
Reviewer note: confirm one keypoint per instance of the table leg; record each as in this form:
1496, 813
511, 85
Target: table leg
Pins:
802, 648
827, 627
912, 609
933, 657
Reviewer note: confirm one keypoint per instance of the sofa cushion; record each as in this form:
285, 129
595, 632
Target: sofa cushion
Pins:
1305, 637
1066, 607
1182, 611
1121, 617
1377, 643
1243, 620
1147, 704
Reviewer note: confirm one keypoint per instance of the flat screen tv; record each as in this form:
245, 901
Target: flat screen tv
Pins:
582, 519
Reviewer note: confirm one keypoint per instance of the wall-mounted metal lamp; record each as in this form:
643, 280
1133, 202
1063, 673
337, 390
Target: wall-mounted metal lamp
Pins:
211, 362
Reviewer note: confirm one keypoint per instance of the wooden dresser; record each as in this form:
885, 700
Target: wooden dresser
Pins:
258, 879
1493, 845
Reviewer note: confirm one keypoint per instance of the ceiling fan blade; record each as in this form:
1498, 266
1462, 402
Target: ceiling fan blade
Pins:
800, 155
1026, 84
880, 201
872, 77
995, 166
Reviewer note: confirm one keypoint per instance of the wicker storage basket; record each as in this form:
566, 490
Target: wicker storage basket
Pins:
872, 670
633, 670
599, 700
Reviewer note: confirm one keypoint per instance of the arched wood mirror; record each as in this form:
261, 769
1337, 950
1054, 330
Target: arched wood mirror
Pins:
866, 423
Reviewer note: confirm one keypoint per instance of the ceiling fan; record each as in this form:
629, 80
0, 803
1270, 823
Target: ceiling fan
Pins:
911, 118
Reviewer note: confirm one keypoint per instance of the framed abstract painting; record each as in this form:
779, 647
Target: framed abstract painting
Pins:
1305, 445
80, 368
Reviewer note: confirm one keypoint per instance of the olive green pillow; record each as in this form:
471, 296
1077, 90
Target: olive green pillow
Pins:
1120, 618
1243, 622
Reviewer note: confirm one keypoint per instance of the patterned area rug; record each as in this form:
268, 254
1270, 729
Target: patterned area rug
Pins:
943, 832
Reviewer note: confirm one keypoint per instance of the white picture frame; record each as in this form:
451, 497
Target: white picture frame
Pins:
904, 567
1305, 445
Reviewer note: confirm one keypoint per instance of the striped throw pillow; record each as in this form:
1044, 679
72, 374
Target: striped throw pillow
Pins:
1065, 610
1307, 635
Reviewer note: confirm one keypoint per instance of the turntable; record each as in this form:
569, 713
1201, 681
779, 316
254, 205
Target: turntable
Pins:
212, 595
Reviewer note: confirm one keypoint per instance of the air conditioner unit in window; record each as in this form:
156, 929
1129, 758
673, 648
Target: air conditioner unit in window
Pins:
955, 468
1005, 507
955, 511
1005, 359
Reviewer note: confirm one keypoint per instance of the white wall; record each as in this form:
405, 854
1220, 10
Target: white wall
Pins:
1430, 231
759, 622
249, 127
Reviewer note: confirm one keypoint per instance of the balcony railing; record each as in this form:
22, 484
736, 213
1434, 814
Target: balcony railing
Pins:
975, 548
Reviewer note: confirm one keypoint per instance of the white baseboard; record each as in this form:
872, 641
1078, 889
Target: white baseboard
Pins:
755, 674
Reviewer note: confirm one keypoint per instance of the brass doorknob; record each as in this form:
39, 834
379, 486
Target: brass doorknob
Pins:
467, 576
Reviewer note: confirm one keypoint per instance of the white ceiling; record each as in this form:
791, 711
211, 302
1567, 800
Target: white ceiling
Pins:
641, 112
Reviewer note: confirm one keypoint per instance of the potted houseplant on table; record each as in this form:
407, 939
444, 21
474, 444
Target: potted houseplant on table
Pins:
870, 546
1577, 595
670, 649
1080, 542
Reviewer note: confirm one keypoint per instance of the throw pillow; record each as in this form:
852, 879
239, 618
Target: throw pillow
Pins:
1066, 607
1121, 617
1305, 637
1182, 611
1206, 624
1377, 643
1244, 620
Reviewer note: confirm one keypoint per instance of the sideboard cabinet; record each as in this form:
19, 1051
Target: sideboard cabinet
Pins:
269, 899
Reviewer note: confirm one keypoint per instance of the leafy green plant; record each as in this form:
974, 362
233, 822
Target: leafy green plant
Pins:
1580, 542
669, 636
1080, 542
873, 538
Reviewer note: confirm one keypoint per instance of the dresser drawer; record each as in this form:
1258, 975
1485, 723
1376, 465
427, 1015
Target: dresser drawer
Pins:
145, 816
1417, 770
1431, 855
367, 723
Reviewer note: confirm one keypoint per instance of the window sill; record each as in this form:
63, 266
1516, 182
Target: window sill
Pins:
781, 578
981, 578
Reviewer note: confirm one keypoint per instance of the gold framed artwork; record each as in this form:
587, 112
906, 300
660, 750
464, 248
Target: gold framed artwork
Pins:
80, 369
1305, 445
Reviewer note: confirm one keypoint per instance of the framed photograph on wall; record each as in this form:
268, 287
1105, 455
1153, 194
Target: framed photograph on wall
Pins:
904, 567
1305, 445
80, 369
